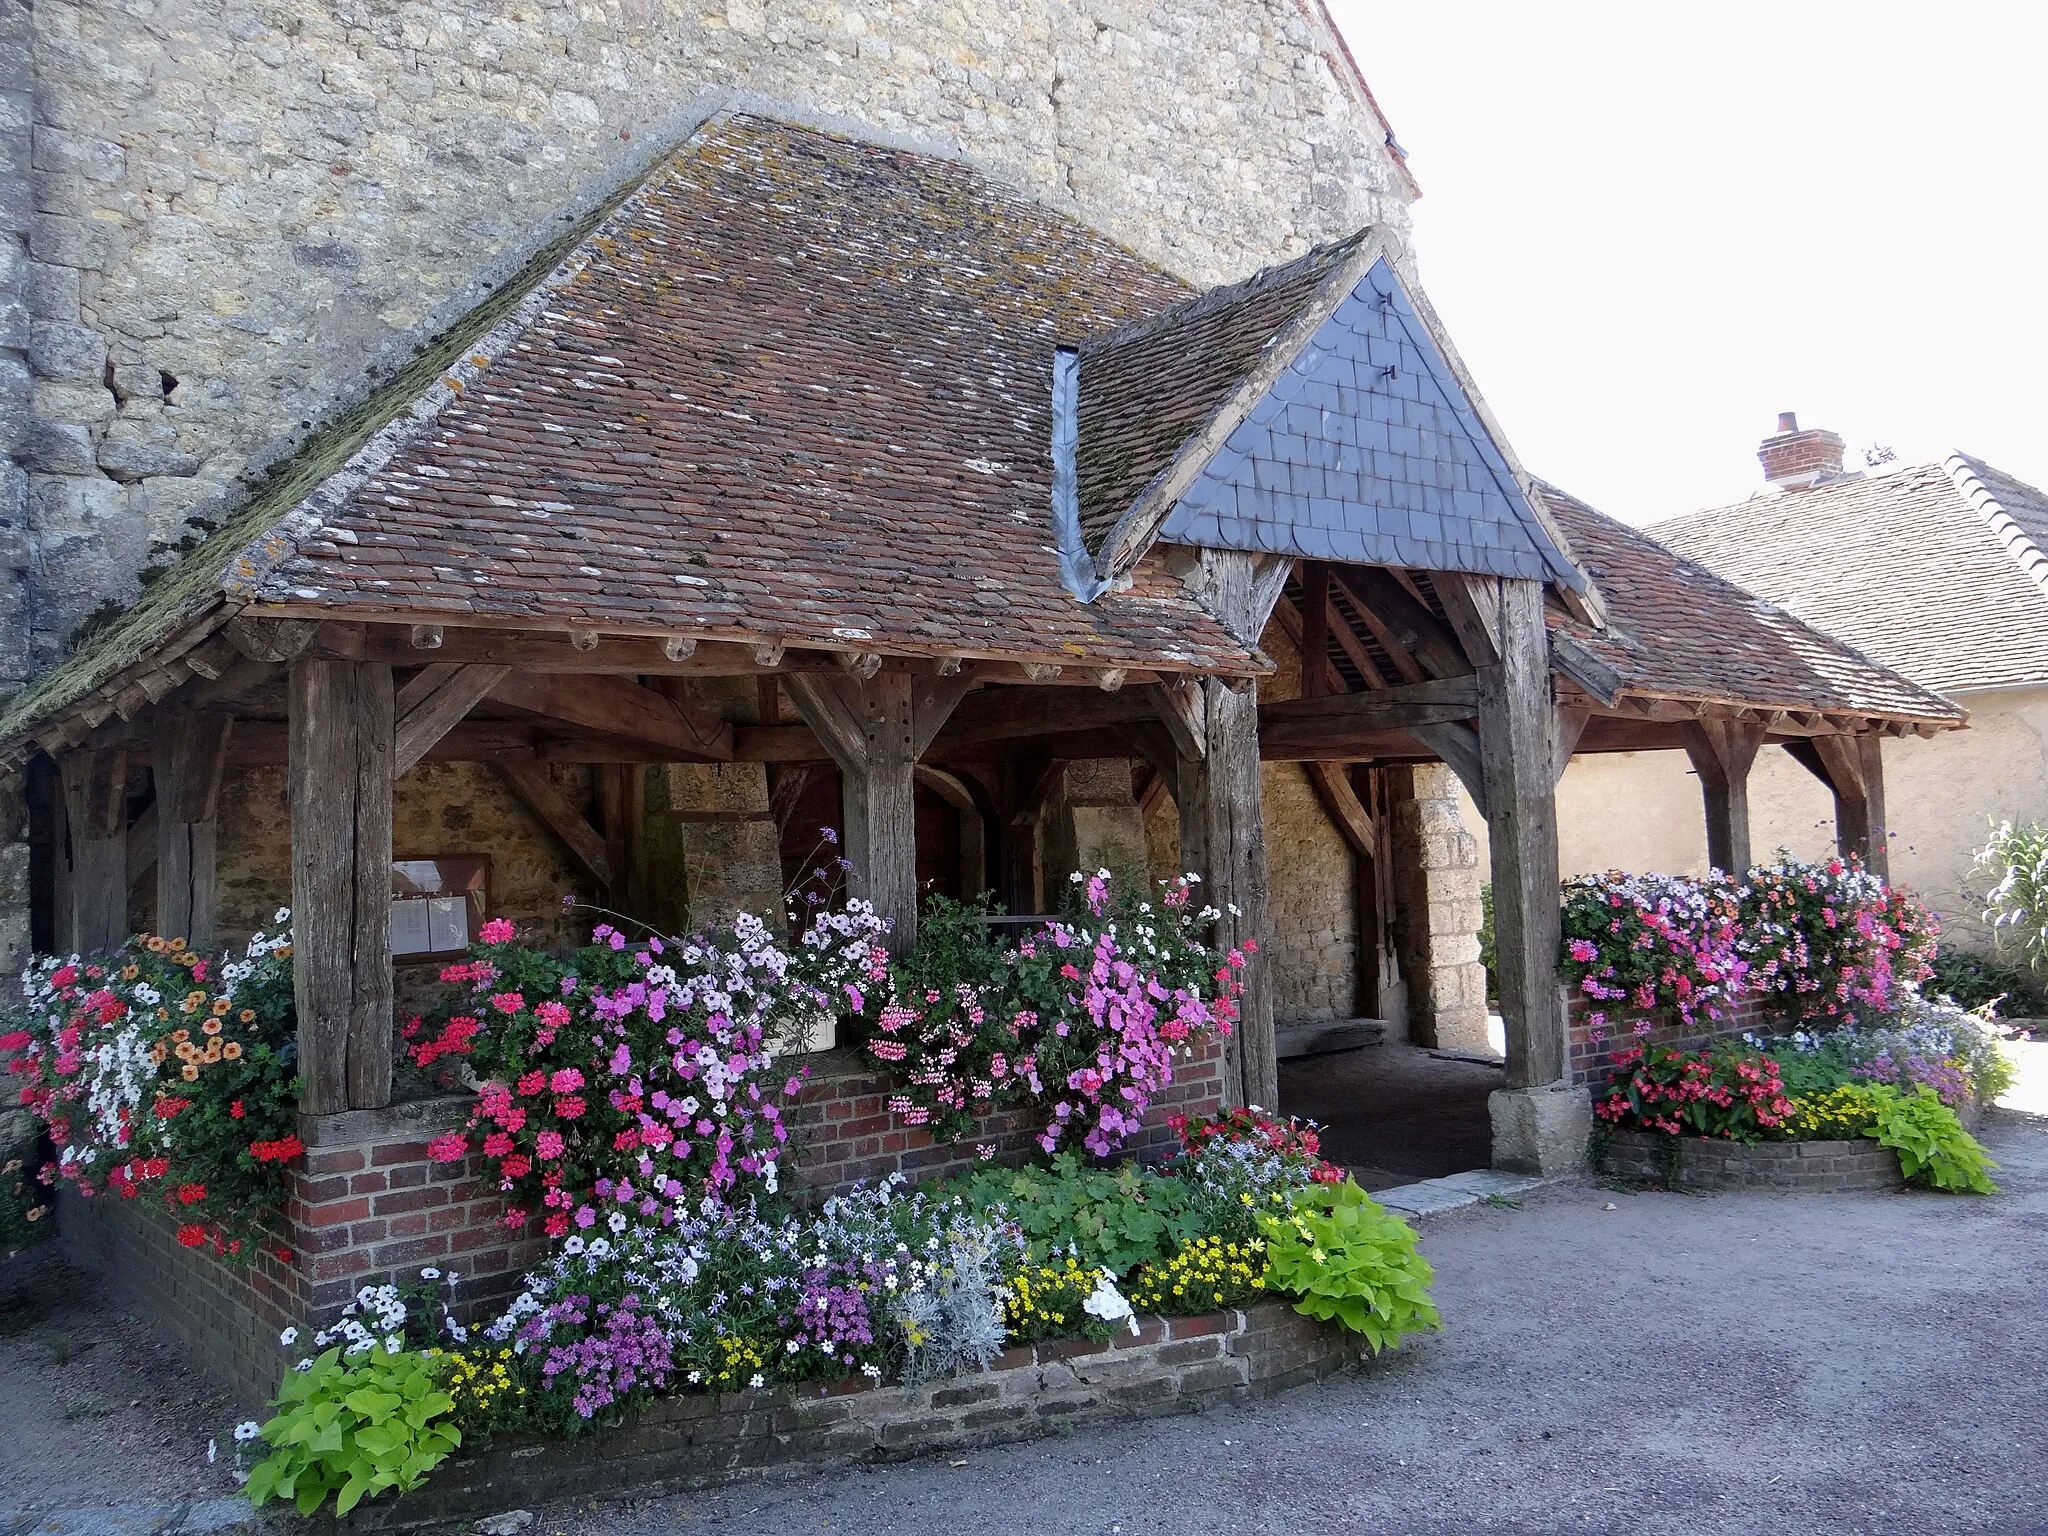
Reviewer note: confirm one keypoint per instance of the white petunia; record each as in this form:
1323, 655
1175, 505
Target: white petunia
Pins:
289, 1337
248, 1430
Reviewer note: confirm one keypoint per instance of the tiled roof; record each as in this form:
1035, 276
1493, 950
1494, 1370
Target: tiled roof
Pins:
1150, 386
798, 387
1678, 630
1907, 566
1324, 419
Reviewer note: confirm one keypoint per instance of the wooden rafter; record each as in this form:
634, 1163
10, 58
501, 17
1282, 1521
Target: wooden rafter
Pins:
537, 790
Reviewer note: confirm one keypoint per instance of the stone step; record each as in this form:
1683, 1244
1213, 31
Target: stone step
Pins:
1324, 1037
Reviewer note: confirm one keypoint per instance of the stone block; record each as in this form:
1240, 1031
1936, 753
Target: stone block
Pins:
69, 242
66, 350
135, 450
59, 448
1541, 1131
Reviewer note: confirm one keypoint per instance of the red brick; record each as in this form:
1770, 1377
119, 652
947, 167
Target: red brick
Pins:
338, 1213
367, 1184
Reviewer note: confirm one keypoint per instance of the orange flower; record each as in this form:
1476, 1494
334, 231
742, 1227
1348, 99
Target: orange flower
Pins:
212, 1052
232, 1050
247, 1015
220, 1006
130, 972
181, 1033
187, 1052
211, 1026
177, 944
154, 945
163, 1013
157, 1052
189, 1072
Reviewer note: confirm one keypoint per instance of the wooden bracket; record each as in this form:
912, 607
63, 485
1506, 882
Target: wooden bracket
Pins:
536, 788
1182, 706
620, 707
1332, 783
434, 701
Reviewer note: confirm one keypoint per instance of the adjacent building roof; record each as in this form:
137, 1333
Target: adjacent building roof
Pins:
1308, 411
1678, 630
1937, 570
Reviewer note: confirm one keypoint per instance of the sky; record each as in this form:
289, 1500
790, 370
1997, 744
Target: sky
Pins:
1650, 228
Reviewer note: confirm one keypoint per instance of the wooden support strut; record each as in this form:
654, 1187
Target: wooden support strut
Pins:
1517, 742
1852, 767
1722, 753
341, 756
876, 728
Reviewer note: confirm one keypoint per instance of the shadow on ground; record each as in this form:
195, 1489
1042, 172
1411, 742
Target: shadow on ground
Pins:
1394, 1113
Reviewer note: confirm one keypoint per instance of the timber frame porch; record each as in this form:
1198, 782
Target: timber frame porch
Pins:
958, 549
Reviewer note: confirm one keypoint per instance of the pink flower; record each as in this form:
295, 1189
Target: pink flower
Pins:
497, 931
508, 1002
568, 1080
451, 1148
548, 1145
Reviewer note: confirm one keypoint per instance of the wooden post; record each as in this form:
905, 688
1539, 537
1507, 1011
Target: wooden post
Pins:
876, 728
96, 813
1852, 767
191, 756
1722, 753
1222, 827
1518, 754
341, 755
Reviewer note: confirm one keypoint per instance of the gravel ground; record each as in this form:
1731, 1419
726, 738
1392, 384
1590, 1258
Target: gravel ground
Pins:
96, 1407
1611, 1361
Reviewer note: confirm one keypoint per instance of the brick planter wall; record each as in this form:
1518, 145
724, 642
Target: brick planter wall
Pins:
1172, 1366
368, 1205
1592, 1046
1790, 1167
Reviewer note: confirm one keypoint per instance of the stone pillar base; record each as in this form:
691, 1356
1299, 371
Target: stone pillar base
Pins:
1543, 1131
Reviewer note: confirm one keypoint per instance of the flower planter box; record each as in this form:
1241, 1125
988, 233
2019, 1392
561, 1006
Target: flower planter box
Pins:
1789, 1167
1173, 1365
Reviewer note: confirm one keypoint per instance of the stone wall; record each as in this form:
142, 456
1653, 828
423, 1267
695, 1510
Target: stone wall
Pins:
1437, 912
240, 214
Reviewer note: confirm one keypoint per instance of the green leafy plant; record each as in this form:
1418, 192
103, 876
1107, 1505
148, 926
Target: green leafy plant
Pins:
1932, 1145
1726, 1091
1975, 981
2017, 906
1347, 1259
354, 1427
1107, 1218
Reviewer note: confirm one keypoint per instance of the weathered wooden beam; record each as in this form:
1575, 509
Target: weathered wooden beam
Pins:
342, 727
1318, 676
95, 785
1400, 621
142, 845
872, 729
1222, 829
1568, 730
1518, 753
614, 786
537, 790
1457, 744
1332, 782
435, 701
1722, 753
191, 761
1570, 657
1852, 767
1181, 705
620, 708
1314, 638
270, 639
1470, 603
933, 702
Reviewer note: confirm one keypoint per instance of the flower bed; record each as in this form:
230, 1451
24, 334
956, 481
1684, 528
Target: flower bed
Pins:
679, 1443
1793, 1112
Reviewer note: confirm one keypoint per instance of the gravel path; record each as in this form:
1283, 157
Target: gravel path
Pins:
1648, 1363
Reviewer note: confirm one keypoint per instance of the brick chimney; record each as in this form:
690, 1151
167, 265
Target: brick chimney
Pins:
1794, 460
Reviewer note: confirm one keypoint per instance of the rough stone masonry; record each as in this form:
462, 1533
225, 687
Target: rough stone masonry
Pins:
221, 223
